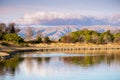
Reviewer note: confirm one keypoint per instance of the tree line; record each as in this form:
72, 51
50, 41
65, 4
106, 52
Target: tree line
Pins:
10, 33
90, 36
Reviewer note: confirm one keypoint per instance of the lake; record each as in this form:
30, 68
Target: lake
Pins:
61, 66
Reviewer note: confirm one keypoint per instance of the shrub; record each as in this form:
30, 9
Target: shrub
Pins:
117, 38
13, 38
4, 44
106, 37
1, 36
39, 40
47, 40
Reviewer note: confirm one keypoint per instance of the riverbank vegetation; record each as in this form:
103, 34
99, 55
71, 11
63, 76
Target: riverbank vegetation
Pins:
84, 39
9, 34
90, 36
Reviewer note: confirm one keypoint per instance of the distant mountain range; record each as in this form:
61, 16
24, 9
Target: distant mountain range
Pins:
56, 32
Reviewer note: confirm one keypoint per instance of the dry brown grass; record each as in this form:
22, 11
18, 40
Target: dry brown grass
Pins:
66, 47
74, 45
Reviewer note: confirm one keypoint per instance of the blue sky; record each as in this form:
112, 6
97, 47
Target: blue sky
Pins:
14, 9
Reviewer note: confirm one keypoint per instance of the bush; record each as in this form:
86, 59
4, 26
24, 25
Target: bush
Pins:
4, 44
13, 38
106, 37
90, 36
38, 40
1, 36
117, 38
47, 40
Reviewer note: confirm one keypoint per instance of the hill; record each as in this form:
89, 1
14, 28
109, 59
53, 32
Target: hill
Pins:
55, 32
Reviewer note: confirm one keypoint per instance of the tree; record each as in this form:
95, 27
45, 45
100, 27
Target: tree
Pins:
29, 33
2, 27
106, 37
117, 38
2, 30
47, 40
11, 28
88, 36
39, 39
95, 37
81, 38
13, 37
39, 34
67, 39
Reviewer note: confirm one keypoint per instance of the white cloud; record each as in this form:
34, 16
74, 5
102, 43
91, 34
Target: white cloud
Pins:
114, 18
40, 17
56, 18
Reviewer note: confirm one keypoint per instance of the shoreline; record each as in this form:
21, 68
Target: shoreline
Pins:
9, 52
5, 51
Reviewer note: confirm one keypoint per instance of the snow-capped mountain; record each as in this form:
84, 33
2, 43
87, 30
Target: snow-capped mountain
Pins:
56, 32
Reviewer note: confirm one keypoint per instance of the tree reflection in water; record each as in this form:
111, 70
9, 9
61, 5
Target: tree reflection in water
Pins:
87, 61
12, 66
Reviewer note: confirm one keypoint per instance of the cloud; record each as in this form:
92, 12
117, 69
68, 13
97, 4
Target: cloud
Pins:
114, 18
46, 17
56, 18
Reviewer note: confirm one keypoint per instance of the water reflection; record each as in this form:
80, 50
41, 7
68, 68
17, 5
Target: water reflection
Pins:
93, 60
10, 66
26, 67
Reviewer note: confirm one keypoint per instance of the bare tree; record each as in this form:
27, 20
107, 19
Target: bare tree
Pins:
29, 33
11, 28
2, 27
39, 34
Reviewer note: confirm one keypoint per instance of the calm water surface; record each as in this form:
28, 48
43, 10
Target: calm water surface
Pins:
61, 66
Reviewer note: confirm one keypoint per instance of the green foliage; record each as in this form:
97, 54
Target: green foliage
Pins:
13, 37
106, 37
4, 44
1, 36
47, 40
95, 37
117, 38
39, 40
6, 30
82, 36
10, 65
90, 36
74, 36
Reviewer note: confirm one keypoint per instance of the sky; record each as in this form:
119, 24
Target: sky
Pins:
26, 10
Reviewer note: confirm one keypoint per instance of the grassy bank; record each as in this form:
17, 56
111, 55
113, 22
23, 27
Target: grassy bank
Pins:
69, 47
76, 46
